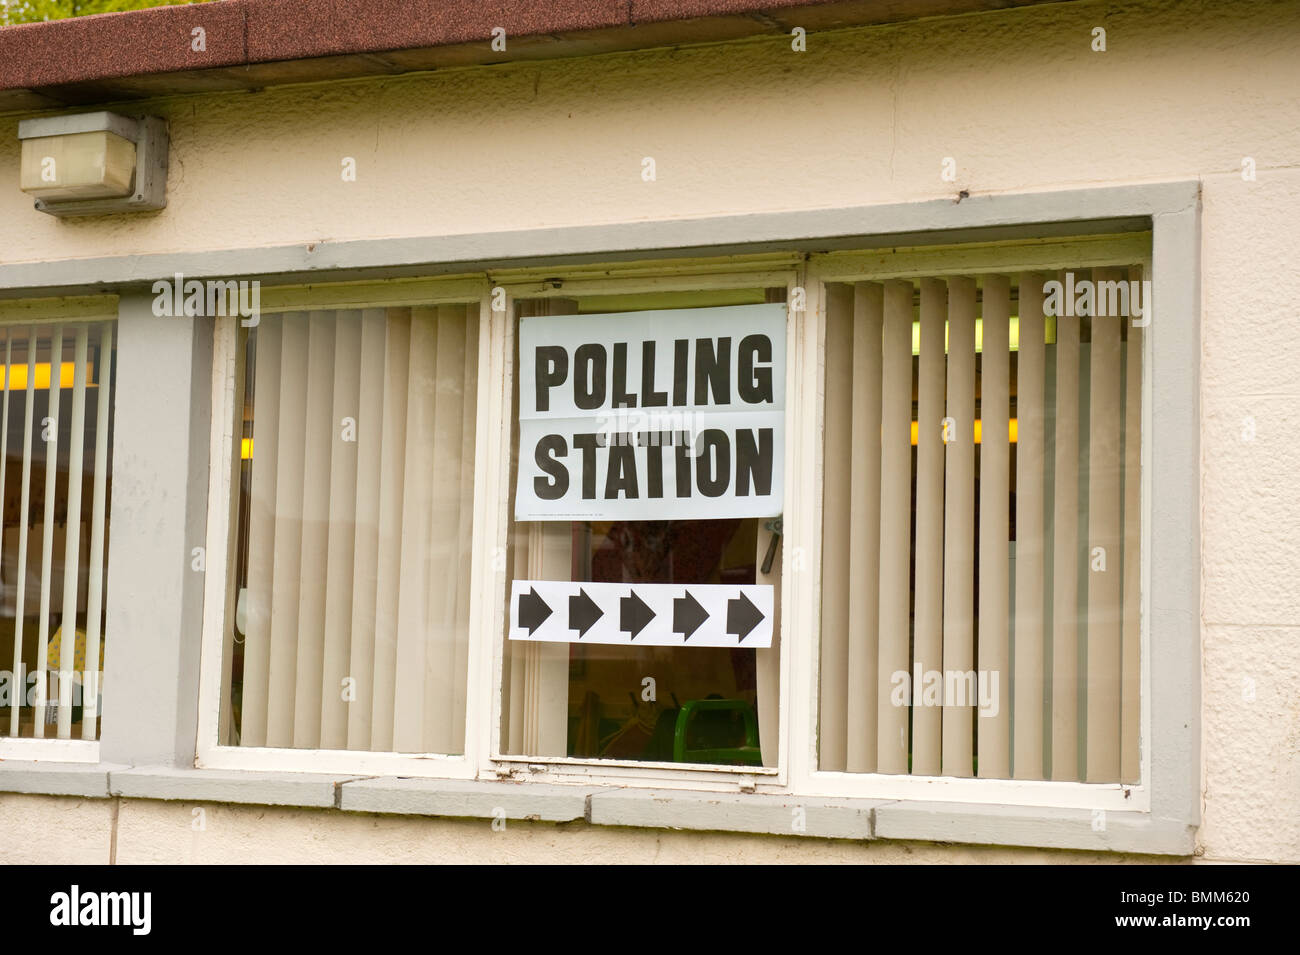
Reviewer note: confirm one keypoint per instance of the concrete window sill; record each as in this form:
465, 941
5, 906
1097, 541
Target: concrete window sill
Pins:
761, 813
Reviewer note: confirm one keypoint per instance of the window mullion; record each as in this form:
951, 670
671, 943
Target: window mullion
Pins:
801, 577
215, 665
491, 528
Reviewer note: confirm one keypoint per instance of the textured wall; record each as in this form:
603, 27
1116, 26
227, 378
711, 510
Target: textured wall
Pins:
148, 832
55, 830
1250, 532
1018, 99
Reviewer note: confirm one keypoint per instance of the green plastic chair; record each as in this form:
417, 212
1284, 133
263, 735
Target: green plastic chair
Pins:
747, 754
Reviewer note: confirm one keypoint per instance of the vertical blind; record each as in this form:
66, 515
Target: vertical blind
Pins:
54, 478
981, 527
356, 536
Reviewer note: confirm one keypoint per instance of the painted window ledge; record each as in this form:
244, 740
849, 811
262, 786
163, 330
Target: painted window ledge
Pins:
834, 818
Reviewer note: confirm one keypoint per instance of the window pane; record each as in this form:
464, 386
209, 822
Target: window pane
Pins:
56, 427
354, 531
980, 605
687, 704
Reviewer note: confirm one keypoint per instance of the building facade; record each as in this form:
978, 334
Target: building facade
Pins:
361, 416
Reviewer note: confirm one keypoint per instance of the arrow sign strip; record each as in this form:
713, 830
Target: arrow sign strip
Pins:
679, 615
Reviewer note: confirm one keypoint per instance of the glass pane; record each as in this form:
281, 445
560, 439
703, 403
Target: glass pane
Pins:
981, 527
56, 426
351, 601
668, 704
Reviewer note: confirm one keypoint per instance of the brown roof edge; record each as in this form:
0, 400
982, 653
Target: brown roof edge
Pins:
84, 58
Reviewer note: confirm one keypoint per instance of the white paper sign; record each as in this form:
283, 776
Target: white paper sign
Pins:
657, 615
652, 415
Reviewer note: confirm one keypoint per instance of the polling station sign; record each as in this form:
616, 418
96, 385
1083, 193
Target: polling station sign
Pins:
670, 414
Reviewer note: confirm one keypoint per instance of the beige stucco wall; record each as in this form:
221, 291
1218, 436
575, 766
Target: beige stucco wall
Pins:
1017, 98
150, 832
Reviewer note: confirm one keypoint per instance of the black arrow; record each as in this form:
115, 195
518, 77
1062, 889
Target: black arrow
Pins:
533, 611
633, 614
583, 613
688, 615
742, 616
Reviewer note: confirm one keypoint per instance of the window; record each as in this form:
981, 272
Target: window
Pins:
56, 428
676, 702
416, 569
362, 545
351, 566
981, 536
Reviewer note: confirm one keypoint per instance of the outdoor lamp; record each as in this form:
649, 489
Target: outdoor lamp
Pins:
94, 163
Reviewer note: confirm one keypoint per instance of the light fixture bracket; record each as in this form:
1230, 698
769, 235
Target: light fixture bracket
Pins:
149, 133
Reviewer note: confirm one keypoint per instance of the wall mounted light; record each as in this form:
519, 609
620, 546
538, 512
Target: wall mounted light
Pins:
94, 163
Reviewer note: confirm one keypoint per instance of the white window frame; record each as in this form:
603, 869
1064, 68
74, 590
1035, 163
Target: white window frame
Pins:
782, 270
1019, 813
155, 732
218, 599
482, 758
796, 770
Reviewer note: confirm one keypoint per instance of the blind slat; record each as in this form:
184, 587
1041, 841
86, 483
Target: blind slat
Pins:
469, 433
365, 564
49, 427
927, 715
24, 544
836, 580
1105, 545
994, 728
895, 521
864, 539
417, 515
1065, 555
261, 534
344, 425
444, 684
72, 535
546, 693
318, 436
959, 534
391, 494
1027, 661
287, 574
